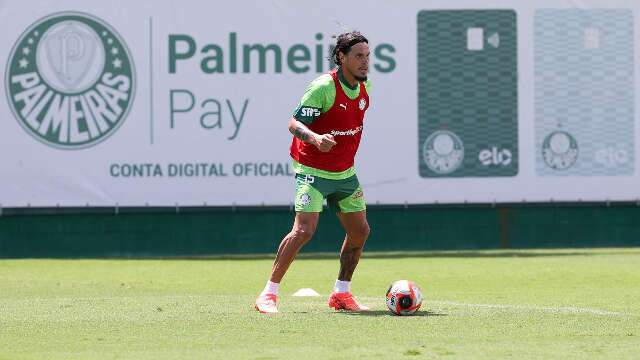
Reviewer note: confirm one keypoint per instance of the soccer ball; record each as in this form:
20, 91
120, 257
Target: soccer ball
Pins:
404, 297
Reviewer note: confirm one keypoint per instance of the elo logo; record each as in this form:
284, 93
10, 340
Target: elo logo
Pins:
611, 156
495, 156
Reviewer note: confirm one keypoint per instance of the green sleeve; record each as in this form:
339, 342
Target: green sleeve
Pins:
317, 99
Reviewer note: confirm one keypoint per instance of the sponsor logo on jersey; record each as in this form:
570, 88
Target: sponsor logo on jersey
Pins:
350, 132
358, 194
309, 112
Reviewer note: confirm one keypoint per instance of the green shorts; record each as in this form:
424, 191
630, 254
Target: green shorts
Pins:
343, 195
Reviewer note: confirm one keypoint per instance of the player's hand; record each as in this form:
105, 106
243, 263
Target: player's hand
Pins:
325, 142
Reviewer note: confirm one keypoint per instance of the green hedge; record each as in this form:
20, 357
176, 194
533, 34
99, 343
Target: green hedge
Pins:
217, 231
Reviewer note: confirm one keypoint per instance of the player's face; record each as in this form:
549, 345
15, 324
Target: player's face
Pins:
356, 62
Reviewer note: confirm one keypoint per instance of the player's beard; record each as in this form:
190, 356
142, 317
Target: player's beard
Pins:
360, 78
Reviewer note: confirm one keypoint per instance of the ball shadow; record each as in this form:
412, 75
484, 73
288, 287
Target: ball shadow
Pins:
388, 313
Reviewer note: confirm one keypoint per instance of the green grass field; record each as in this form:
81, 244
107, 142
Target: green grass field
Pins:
561, 304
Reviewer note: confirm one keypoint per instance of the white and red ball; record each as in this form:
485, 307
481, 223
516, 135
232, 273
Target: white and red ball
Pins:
404, 297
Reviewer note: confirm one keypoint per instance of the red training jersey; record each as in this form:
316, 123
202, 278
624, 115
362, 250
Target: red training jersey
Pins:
344, 120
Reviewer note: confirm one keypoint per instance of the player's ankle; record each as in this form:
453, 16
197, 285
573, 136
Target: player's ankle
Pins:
270, 288
342, 286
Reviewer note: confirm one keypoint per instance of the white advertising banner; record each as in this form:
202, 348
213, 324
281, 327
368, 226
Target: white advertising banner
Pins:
165, 103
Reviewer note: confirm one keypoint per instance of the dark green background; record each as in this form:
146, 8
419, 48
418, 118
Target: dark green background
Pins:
34, 233
472, 93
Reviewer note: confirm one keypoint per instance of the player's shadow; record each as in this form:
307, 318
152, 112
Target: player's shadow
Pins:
388, 313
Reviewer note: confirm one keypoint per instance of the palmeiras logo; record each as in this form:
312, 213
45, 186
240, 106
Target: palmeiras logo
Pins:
70, 80
443, 152
304, 199
362, 103
560, 150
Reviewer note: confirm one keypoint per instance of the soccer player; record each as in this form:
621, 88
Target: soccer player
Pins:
326, 127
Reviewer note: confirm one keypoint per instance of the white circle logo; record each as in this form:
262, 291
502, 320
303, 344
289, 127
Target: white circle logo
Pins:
560, 150
362, 104
443, 152
70, 57
304, 199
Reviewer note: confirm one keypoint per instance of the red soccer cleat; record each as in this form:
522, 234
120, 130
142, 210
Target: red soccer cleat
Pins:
266, 304
345, 301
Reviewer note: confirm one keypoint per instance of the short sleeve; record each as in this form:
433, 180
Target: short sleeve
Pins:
313, 102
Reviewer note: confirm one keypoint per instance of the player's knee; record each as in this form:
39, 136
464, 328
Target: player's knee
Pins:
361, 232
303, 233
366, 230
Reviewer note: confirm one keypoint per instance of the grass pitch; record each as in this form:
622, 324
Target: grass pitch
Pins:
562, 304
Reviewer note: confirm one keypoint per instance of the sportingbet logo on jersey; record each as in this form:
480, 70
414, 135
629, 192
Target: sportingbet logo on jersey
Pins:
70, 80
467, 93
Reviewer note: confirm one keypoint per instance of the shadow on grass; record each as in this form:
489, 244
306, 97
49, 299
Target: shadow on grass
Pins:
496, 253
388, 313
513, 253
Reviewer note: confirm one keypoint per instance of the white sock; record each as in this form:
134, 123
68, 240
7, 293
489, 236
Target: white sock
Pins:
270, 288
342, 286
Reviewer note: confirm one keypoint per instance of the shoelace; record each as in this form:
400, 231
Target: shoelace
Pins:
270, 298
350, 300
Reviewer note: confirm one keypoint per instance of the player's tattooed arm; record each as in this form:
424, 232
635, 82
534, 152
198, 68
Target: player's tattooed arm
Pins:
323, 142
301, 131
